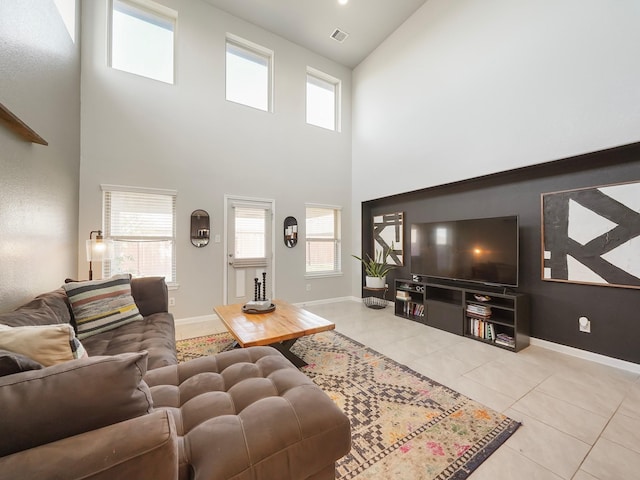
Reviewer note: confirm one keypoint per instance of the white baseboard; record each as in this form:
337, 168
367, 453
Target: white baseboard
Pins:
201, 318
327, 300
585, 355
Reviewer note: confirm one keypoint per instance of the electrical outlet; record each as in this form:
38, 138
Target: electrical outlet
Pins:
172, 301
308, 287
584, 324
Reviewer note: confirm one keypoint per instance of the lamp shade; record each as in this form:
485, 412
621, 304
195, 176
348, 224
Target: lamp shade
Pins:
99, 249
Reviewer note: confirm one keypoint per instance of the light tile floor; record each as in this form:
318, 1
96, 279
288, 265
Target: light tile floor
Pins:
580, 420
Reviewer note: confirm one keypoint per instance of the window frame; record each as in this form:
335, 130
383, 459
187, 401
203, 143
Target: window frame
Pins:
255, 50
337, 97
146, 8
107, 228
336, 240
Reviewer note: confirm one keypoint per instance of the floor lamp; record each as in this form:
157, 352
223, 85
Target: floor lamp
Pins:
98, 250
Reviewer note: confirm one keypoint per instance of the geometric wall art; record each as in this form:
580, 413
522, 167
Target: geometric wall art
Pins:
592, 235
387, 231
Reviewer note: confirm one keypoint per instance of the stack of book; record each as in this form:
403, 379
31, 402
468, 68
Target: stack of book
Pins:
482, 310
478, 325
403, 295
505, 340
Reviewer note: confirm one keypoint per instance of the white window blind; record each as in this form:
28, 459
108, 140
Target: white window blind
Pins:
250, 236
322, 99
323, 240
142, 225
142, 39
248, 74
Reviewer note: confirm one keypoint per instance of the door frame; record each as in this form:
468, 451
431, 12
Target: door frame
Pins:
230, 198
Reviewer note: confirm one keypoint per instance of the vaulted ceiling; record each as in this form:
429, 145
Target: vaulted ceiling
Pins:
310, 23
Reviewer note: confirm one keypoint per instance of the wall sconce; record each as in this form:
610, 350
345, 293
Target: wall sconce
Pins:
98, 249
200, 229
290, 232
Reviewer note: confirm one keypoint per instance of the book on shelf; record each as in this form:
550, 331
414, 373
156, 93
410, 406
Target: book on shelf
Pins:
481, 310
402, 295
481, 328
505, 340
413, 308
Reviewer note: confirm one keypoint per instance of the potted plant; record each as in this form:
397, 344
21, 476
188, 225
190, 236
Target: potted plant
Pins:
376, 268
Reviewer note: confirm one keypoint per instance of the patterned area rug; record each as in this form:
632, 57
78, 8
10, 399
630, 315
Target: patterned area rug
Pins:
403, 424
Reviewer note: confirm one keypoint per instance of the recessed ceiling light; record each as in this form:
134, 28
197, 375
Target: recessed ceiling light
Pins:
343, 2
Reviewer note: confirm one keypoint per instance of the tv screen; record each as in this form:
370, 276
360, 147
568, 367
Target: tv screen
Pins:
483, 250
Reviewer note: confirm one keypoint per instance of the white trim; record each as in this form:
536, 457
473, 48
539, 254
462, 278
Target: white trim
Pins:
201, 318
124, 188
260, 51
236, 199
585, 355
328, 300
153, 7
337, 83
322, 205
310, 275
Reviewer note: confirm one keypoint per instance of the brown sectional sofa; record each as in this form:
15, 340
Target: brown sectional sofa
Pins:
130, 411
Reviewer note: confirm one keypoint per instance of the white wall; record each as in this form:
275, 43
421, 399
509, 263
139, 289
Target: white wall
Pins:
473, 87
40, 83
187, 137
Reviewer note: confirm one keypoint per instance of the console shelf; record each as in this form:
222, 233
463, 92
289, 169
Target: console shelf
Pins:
499, 319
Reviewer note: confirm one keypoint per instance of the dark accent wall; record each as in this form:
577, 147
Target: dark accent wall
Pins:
614, 312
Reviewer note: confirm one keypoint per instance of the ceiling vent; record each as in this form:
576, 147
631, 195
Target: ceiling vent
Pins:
339, 35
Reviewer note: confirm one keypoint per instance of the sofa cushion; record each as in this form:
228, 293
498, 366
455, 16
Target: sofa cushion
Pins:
150, 295
46, 344
45, 309
155, 334
11, 362
102, 305
71, 398
254, 409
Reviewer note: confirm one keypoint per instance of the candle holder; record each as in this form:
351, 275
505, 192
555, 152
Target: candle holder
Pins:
260, 302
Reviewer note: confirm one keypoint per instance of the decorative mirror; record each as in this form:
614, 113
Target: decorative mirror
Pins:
290, 232
200, 228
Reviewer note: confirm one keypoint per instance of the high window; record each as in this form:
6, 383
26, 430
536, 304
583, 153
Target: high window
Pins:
248, 74
142, 39
323, 240
323, 95
142, 224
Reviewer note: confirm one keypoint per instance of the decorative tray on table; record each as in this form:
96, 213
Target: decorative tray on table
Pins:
258, 307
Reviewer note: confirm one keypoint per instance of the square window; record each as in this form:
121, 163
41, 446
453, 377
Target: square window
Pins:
141, 223
248, 74
142, 40
322, 100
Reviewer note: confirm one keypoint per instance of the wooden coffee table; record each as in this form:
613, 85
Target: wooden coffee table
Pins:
280, 328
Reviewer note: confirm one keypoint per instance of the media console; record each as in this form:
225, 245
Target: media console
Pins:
499, 319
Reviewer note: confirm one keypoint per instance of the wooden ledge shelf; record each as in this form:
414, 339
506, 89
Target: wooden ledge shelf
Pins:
19, 127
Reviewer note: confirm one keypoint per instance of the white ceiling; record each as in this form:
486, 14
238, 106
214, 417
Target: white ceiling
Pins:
310, 23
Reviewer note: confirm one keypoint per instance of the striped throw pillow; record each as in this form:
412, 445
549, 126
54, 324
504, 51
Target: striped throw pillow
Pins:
102, 305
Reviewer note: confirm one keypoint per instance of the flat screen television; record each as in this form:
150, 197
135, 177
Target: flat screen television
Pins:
481, 250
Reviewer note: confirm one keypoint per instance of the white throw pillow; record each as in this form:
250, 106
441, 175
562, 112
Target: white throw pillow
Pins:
46, 344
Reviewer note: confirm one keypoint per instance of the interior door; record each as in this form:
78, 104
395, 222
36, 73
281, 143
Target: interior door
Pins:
249, 249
